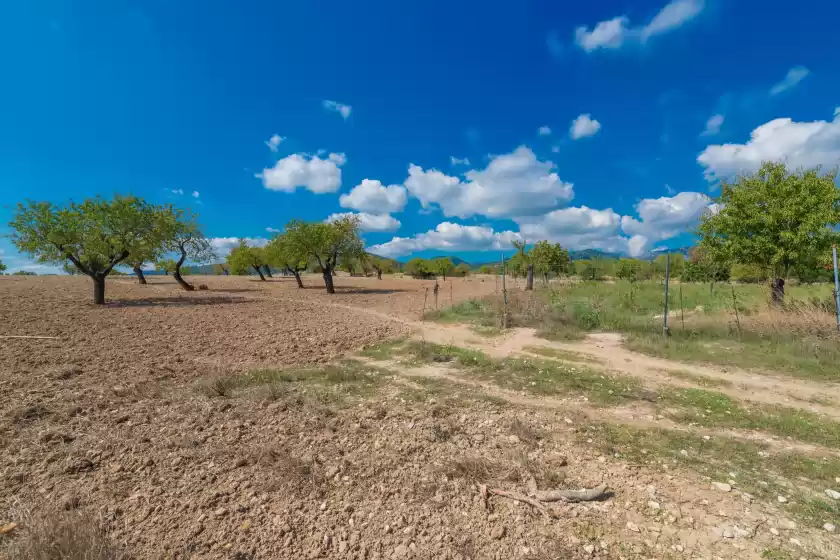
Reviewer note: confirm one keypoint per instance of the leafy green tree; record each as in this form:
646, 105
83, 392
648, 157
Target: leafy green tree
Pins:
164, 224
704, 266
628, 269
326, 243
243, 258
677, 265
95, 235
418, 268
523, 256
462, 270
167, 266
24, 273
380, 265
549, 258
486, 269
283, 254
2, 267
70, 268
441, 266
775, 219
188, 240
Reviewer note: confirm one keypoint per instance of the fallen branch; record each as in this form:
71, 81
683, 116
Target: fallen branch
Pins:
28, 336
525, 500
572, 496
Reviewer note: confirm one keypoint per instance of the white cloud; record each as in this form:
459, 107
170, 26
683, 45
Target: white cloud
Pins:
177, 191
544, 131
372, 196
458, 161
306, 171
273, 230
196, 194
273, 143
713, 125
791, 80
448, 236
799, 144
340, 108
514, 184
577, 229
617, 32
584, 126
609, 34
369, 222
666, 217
223, 245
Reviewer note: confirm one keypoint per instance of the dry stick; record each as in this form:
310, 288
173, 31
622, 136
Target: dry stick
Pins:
735, 306
587, 495
29, 337
525, 500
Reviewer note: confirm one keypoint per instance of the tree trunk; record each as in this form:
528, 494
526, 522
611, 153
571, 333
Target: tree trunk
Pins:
777, 292
268, 271
379, 274
529, 283
140, 277
177, 276
297, 277
259, 271
545, 278
98, 290
328, 279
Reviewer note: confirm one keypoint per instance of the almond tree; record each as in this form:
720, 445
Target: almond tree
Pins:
523, 256
243, 257
189, 243
549, 257
95, 235
326, 243
281, 253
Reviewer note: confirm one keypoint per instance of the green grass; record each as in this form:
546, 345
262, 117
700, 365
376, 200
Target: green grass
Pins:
478, 312
566, 355
756, 471
711, 409
383, 350
702, 380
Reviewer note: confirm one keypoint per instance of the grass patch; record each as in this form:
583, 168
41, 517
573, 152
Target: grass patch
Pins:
567, 355
755, 471
382, 351
711, 409
476, 311
702, 380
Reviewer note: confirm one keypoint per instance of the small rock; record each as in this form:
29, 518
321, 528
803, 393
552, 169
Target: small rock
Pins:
332, 471
590, 548
781, 499
722, 486
220, 512
323, 506
401, 551
679, 548
633, 527
653, 505
116, 468
833, 494
498, 532
830, 527
568, 421
796, 542
176, 461
774, 531
514, 439
728, 534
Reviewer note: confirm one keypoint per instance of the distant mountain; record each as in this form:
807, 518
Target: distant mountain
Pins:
589, 254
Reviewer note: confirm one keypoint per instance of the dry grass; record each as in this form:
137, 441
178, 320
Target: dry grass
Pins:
481, 469
525, 432
61, 535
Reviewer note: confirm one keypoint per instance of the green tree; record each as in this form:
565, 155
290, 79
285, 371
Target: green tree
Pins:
95, 235
704, 266
70, 268
283, 254
24, 273
326, 243
243, 258
548, 258
676, 266
2, 267
486, 269
380, 265
462, 270
418, 268
441, 266
523, 260
775, 219
167, 266
189, 242
164, 224
629, 269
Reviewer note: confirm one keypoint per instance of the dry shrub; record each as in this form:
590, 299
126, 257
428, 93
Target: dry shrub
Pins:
796, 318
525, 432
203, 287
61, 535
481, 469
219, 386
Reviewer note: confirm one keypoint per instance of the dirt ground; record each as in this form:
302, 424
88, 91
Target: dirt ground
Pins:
145, 415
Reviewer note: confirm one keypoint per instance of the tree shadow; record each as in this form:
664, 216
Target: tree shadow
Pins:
176, 301
352, 290
233, 290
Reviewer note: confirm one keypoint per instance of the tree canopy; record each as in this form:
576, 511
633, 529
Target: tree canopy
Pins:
2, 267
326, 243
775, 219
281, 253
549, 258
95, 235
243, 258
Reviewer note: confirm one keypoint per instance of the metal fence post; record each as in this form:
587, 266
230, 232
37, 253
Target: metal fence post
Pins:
836, 285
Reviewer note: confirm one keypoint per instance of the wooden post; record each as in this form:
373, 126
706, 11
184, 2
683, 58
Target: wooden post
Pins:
735, 307
682, 314
836, 285
425, 296
504, 297
667, 278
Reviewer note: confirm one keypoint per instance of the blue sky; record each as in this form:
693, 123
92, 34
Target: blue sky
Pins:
596, 124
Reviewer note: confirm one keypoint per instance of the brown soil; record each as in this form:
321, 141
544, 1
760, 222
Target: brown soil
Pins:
109, 419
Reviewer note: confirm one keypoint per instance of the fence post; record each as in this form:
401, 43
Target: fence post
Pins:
667, 278
504, 297
836, 285
735, 306
682, 313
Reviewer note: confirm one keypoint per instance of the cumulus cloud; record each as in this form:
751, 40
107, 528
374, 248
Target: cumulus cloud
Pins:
584, 126
577, 229
369, 222
713, 125
514, 184
791, 80
340, 108
458, 161
374, 197
273, 230
666, 217
617, 32
448, 236
196, 194
799, 144
273, 143
544, 131
305, 171
177, 191
223, 245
